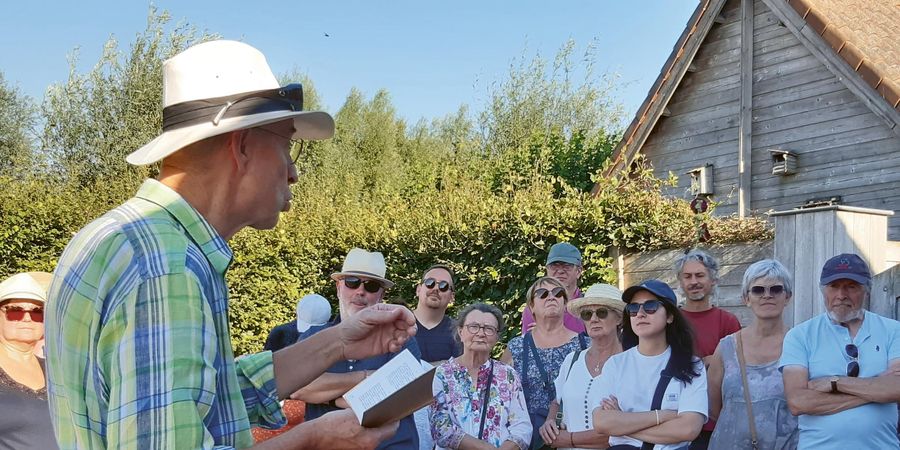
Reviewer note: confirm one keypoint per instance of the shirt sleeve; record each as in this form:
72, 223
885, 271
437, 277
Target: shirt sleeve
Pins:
732, 324
256, 376
694, 397
520, 428
443, 430
156, 353
793, 352
560, 380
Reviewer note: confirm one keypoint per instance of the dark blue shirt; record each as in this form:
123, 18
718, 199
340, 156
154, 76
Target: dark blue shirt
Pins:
438, 344
282, 336
406, 437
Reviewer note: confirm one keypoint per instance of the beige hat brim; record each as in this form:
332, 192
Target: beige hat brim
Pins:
574, 306
311, 125
337, 276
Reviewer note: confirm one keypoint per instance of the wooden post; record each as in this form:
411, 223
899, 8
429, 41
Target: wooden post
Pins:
746, 112
806, 238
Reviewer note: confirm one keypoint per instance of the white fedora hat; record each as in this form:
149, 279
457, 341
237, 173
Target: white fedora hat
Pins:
221, 86
360, 263
26, 286
600, 294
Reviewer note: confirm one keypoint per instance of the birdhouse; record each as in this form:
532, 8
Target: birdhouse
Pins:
783, 162
702, 180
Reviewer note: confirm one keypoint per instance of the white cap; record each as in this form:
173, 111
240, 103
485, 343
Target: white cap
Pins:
312, 310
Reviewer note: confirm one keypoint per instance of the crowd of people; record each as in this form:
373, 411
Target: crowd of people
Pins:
138, 351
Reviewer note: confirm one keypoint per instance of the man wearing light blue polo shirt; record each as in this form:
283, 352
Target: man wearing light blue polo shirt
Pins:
842, 369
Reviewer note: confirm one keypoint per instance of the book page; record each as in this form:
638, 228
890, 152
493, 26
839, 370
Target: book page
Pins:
400, 371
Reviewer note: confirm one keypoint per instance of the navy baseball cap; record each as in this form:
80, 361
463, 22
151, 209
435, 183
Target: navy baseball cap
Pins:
564, 252
655, 287
847, 266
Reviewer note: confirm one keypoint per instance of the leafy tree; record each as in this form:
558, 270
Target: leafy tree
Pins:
18, 120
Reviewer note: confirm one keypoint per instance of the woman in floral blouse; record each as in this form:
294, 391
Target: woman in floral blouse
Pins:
459, 418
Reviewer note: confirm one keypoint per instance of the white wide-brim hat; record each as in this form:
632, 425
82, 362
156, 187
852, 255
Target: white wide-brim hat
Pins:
360, 263
598, 295
221, 86
26, 286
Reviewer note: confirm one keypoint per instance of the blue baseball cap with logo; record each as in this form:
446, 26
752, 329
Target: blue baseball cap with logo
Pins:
564, 252
655, 287
846, 266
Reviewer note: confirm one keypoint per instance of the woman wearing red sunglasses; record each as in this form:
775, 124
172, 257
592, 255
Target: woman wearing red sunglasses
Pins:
654, 393
25, 421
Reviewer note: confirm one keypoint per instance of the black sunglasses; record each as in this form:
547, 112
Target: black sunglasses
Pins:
442, 286
542, 293
370, 286
772, 290
853, 366
650, 307
601, 313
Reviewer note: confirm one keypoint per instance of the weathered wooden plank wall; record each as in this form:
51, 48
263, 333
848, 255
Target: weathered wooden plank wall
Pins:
733, 261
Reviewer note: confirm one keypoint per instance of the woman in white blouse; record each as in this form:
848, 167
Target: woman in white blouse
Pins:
576, 385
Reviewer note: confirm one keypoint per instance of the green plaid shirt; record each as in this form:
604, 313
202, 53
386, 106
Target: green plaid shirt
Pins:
138, 345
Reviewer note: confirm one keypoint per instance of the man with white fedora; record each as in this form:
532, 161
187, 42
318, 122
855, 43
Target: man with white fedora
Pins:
360, 285
138, 343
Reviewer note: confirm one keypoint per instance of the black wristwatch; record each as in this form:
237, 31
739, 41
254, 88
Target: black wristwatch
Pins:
834, 389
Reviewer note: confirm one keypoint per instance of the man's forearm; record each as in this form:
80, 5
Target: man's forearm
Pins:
816, 403
299, 364
880, 389
329, 386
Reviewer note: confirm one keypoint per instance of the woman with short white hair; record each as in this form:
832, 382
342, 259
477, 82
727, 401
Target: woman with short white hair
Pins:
745, 367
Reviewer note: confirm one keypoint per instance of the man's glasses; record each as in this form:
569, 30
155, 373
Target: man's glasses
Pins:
296, 144
474, 328
853, 366
542, 293
601, 313
762, 290
17, 313
559, 265
442, 286
370, 286
650, 307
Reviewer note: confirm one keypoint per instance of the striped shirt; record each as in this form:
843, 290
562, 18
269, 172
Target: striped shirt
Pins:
138, 346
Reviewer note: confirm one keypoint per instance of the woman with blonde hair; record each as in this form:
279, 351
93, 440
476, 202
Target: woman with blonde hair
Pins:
25, 421
538, 354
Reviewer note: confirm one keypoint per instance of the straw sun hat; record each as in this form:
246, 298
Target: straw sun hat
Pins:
598, 295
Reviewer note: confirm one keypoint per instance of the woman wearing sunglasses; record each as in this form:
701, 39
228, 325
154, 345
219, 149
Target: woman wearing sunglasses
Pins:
654, 392
751, 356
601, 311
538, 354
25, 416
479, 402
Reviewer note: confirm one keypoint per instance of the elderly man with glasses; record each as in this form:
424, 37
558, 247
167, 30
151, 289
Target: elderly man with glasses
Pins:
361, 285
841, 369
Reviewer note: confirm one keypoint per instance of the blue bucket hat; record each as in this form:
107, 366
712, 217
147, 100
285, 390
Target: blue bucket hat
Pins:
655, 287
564, 252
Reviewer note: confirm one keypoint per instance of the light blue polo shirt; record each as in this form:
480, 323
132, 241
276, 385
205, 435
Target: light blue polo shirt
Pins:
818, 344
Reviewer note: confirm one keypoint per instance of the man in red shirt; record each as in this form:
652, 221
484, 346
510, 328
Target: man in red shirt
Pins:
698, 273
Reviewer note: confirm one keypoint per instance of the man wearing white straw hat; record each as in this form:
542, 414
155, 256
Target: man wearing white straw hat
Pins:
360, 285
138, 343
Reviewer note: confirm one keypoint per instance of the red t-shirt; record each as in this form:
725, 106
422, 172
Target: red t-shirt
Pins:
709, 327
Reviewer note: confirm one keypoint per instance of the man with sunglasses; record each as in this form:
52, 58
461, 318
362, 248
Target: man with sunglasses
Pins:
564, 264
360, 285
435, 330
841, 369
138, 343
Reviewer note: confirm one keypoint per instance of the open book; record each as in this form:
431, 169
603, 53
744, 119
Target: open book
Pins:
393, 392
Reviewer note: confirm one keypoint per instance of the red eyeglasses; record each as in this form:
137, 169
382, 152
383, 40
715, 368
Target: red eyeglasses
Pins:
17, 313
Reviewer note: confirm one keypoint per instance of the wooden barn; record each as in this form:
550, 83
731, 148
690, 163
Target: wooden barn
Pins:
770, 105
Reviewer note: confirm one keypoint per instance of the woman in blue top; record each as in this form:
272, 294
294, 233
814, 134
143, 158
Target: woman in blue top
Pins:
654, 393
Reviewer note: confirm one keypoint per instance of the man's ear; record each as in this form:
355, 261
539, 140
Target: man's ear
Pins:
238, 151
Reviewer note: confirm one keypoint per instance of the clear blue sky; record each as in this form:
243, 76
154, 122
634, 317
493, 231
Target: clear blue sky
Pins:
430, 56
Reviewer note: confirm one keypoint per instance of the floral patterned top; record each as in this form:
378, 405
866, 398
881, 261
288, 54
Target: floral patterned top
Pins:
458, 400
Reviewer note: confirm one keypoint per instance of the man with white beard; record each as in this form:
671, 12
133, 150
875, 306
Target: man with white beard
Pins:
842, 368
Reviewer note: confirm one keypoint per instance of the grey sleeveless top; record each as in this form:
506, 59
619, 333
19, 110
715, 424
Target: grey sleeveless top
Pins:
776, 427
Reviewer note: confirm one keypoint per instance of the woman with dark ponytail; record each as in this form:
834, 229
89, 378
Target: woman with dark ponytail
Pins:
654, 393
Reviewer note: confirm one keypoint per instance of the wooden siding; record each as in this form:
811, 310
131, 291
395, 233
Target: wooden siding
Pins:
798, 104
733, 261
